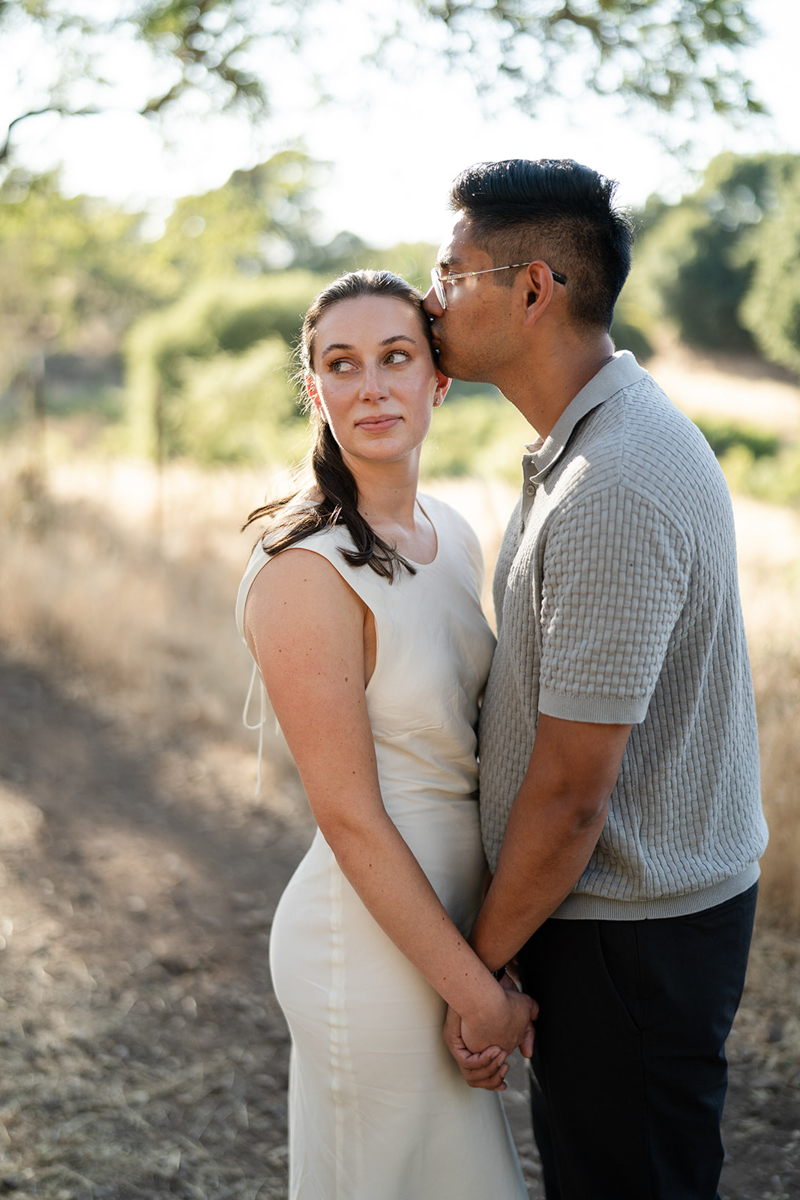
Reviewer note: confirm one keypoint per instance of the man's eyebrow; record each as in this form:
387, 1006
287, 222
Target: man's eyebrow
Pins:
449, 263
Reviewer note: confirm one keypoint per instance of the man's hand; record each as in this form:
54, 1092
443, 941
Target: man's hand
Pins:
511, 983
505, 1022
487, 1068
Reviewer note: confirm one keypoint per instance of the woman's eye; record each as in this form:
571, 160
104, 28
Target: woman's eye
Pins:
340, 365
396, 356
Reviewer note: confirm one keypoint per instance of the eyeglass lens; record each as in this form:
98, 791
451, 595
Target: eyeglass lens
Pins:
438, 288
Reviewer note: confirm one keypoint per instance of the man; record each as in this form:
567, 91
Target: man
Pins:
619, 760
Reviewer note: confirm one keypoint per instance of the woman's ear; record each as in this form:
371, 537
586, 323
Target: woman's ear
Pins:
442, 388
313, 394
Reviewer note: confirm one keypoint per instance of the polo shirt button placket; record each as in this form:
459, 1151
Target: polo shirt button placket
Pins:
529, 491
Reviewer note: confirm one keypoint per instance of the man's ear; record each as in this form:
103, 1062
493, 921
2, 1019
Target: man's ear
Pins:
538, 291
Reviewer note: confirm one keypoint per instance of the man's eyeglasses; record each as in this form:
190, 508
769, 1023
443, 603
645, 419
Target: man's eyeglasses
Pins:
439, 281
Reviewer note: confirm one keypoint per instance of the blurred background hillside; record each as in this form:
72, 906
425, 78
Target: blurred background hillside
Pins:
177, 181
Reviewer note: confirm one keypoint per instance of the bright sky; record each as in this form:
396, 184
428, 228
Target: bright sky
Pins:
395, 142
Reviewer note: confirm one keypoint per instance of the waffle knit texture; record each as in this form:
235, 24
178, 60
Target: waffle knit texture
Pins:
617, 601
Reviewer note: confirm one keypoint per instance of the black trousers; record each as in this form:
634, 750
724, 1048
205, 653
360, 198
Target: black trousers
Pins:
630, 1050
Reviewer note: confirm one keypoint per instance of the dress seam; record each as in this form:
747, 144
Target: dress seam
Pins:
343, 1079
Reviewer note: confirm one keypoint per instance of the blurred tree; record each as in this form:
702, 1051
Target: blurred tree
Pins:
240, 408
259, 220
689, 265
73, 275
771, 309
191, 45
668, 53
191, 363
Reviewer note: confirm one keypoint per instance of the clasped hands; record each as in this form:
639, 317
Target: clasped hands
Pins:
481, 1047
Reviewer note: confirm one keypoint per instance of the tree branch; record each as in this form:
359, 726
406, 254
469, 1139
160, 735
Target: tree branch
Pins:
61, 109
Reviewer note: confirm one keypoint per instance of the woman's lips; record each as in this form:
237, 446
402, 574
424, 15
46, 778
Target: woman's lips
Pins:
378, 423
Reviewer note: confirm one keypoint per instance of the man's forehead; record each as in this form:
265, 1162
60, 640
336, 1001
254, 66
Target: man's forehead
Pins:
458, 248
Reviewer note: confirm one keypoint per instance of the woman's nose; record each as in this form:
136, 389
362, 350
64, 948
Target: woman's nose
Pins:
374, 387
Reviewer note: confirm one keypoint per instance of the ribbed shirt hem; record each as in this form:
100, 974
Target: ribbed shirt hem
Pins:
598, 710
580, 907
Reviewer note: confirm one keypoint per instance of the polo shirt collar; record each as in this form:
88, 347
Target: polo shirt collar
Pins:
620, 372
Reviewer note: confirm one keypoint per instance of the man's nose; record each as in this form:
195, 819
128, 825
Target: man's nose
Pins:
430, 303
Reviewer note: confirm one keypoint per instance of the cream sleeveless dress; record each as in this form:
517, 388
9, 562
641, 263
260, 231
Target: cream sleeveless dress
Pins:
377, 1107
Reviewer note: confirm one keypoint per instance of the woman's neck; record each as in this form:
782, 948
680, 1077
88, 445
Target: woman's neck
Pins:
387, 500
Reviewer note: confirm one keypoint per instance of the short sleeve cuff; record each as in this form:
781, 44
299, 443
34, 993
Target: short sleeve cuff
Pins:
597, 710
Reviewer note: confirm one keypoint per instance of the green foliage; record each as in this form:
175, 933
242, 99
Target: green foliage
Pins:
722, 436
755, 461
689, 265
212, 324
240, 408
671, 54
771, 309
69, 265
197, 46
476, 435
628, 335
412, 260
207, 39
774, 478
258, 221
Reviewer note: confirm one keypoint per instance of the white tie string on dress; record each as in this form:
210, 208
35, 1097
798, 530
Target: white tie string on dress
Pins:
261, 719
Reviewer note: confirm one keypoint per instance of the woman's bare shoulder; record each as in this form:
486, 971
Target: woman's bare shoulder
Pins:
299, 587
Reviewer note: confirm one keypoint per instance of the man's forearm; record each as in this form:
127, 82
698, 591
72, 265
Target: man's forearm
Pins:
544, 853
555, 822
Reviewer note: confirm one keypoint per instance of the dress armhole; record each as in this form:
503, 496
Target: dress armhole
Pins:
252, 571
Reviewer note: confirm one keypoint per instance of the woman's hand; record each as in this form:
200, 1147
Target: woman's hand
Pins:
486, 1069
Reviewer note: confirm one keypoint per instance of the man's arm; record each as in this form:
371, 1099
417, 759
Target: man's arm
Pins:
555, 822
558, 815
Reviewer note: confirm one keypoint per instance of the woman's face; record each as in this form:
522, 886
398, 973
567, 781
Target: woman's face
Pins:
374, 379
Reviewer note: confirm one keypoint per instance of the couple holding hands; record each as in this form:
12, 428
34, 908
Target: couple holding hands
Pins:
619, 808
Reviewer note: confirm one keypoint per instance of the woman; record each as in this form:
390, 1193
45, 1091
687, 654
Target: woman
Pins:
361, 609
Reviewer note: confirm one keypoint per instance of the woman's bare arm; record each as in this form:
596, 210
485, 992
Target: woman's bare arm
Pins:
305, 627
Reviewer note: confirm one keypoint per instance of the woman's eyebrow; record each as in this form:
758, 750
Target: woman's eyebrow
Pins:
397, 337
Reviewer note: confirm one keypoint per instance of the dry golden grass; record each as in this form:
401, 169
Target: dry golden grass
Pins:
87, 580
139, 604
777, 679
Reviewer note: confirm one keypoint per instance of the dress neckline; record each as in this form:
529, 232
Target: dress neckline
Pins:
428, 518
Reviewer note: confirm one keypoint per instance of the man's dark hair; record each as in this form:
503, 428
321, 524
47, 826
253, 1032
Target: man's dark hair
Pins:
555, 210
